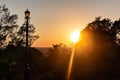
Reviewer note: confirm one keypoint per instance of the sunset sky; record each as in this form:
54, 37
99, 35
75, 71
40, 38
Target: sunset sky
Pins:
55, 20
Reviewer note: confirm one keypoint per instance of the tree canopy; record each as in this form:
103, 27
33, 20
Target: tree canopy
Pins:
97, 53
105, 26
7, 25
10, 32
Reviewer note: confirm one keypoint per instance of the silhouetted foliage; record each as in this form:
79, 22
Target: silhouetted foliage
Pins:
96, 57
116, 30
59, 49
8, 26
97, 53
11, 33
107, 26
21, 35
12, 61
57, 61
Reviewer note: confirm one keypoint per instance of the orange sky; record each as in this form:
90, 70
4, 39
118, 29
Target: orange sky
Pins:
55, 20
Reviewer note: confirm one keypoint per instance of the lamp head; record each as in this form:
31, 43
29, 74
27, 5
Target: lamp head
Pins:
27, 13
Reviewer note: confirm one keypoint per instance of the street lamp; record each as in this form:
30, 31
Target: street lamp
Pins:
27, 67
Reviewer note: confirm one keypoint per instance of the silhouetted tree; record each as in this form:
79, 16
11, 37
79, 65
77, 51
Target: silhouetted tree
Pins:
106, 25
97, 53
8, 26
58, 48
20, 39
57, 62
115, 30
11, 33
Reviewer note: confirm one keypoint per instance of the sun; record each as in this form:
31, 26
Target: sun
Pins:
75, 36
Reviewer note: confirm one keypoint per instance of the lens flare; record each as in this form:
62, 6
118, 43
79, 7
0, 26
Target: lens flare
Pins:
75, 36
70, 64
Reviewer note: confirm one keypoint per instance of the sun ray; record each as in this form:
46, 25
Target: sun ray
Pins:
70, 64
74, 38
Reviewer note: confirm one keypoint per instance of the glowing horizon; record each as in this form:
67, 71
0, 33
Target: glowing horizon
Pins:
55, 20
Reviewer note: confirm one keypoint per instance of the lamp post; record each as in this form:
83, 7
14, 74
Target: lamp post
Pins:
27, 67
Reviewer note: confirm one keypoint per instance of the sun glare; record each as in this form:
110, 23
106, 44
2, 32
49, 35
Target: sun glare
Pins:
75, 36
